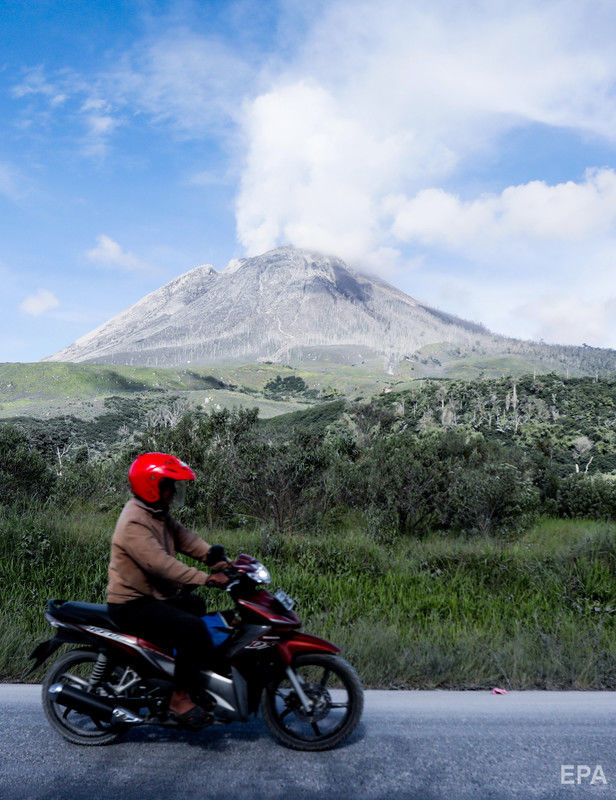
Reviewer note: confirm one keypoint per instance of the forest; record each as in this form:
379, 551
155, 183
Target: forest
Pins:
468, 457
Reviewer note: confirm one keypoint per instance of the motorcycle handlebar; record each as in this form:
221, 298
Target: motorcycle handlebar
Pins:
230, 573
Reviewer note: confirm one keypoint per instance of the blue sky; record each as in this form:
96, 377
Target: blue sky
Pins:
466, 155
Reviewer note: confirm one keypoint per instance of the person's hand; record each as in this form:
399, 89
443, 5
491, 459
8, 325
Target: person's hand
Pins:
215, 555
218, 579
220, 566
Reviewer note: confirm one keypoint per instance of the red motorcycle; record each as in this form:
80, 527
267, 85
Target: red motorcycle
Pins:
310, 698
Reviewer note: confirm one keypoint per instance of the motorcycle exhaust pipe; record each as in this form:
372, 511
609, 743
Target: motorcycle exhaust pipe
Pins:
94, 706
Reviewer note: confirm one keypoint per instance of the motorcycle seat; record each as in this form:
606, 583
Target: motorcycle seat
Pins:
73, 611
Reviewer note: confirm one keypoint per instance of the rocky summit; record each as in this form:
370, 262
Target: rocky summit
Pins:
287, 305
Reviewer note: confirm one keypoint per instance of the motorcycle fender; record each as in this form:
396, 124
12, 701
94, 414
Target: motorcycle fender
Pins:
42, 652
304, 643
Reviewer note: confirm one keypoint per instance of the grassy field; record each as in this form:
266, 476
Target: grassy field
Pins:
66, 380
91, 409
48, 389
45, 390
538, 612
58, 389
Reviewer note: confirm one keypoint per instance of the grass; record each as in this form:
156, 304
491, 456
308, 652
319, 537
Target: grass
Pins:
49, 380
58, 389
538, 612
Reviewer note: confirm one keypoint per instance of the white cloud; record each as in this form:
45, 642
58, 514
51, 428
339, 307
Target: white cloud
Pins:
571, 320
35, 82
12, 184
561, 304
194, 82
310, 174
78, 101
565, 212
388, 99
535, 261
100, 124
40, 302
108, 253
98, 116
435, 68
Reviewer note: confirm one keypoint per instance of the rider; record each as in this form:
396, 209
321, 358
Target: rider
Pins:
145, 576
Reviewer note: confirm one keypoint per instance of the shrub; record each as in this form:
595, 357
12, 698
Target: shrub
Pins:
282, 484
582, 495
291, 385
24, 474
489, 500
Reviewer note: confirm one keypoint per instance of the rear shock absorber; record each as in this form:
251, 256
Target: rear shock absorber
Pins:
99, 671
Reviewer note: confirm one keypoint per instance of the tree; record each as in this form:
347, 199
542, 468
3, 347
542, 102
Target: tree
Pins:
581, 445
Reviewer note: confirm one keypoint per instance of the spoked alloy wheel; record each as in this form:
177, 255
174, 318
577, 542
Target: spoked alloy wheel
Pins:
337, 696
75, 669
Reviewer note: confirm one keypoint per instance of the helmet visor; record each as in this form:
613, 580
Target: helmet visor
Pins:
179, 496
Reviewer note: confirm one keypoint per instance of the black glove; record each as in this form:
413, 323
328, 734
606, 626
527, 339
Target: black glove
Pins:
215, 554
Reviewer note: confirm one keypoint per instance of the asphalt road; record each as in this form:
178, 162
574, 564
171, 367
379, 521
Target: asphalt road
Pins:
410, 745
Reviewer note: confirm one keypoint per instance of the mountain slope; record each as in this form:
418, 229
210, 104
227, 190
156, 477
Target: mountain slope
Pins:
288, 305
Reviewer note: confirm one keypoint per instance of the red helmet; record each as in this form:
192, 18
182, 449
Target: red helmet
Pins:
148, 469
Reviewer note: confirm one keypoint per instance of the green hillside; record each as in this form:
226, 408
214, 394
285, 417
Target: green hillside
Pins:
54, 389
51, 380
48, 389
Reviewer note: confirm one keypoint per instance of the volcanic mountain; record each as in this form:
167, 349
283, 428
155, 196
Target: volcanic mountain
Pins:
288, 305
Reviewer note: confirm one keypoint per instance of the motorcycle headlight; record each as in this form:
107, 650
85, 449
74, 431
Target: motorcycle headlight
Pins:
261, 575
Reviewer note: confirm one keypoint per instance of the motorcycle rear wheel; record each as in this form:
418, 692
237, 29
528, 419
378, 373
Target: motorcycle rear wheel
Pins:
75, 668
337, 693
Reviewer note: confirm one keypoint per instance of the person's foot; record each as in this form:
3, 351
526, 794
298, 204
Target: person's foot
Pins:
187, 713
180, 702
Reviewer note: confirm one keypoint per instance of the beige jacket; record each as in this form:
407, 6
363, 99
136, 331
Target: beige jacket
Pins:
143, 551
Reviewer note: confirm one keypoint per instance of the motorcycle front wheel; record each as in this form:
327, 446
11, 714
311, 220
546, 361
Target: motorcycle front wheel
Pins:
337, 703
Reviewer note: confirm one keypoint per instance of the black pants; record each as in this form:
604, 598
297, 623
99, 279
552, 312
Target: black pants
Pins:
173, 623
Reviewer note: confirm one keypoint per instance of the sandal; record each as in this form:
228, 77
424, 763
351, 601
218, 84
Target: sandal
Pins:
195, 718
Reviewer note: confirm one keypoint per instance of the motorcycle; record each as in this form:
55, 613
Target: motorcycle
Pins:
309, 697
